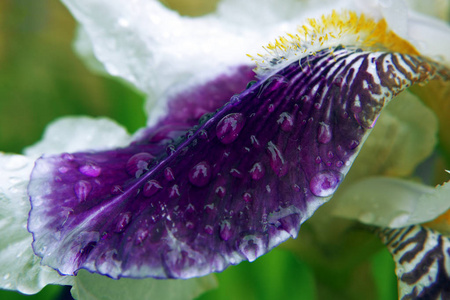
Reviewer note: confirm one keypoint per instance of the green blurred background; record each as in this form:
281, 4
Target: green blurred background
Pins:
42, 79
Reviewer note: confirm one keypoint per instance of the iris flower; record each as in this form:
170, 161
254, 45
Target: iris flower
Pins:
238, 151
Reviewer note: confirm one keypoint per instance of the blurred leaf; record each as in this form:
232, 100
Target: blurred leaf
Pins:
276, 275
383, 268
93, 287
47, 293
42, 79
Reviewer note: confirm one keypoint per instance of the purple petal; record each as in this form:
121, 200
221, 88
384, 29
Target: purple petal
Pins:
180, 203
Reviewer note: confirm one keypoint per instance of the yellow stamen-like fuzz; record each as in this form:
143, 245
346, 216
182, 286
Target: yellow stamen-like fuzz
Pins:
347, 29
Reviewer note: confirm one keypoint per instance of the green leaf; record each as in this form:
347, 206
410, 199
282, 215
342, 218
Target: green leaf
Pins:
95, 287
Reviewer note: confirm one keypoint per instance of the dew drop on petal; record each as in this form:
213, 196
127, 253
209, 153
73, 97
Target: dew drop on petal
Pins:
67, 156
209, 229
286, 122
151, 187
225, 230
247, 197
252, 247
270, 108
168, 173
257, 171
174, 191
353, 144
91, 170
277, 161
220, 191
236, 173
229, 127
117, 190
203, 135
324, 133
138, 164
325, 183
82, 189
63, 169
141, 235
200, 174
124, 220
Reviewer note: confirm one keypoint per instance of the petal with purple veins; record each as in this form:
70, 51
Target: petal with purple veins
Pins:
211, 212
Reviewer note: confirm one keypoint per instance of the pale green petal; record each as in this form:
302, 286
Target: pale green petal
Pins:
94, 287
390, 202
21, 269
404, 135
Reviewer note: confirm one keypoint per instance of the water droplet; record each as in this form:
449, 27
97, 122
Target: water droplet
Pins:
90, 169
270, 108
124, 220
209, 229
236, 173
400, 220
151, 187
225, 230
200, 174
330, 154
117, 190
255, 142
138, 164
257, 171
304, 98
189, 225
209, 208
63, 169
324, 134
252, 247
277, 161
82, 189
174, 191
247, 197
286, 122
168, 173
220, 191
202, 134
317, 105
229, 127
123, 22
366, 217
268, 188
170, 149
325, 183
6, 277
339, 163
296, 188
318, 160
67, 157
190, 208
141, 235
353, 144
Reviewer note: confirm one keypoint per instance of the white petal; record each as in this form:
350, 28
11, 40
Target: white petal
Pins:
430, 36
155, 49
21, 269
72, 134
390, 202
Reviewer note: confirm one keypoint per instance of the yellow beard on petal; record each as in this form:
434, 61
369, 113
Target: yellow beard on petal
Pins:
346, 29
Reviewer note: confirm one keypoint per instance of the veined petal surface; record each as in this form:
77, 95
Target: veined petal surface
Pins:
181, 203
422, 259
